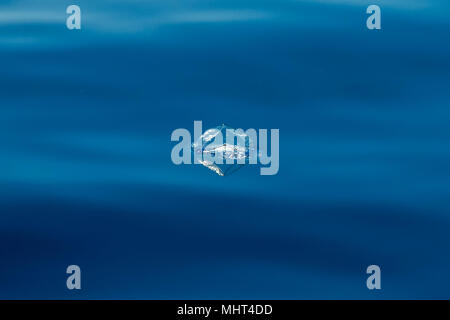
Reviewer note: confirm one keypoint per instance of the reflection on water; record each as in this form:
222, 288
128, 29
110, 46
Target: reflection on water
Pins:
86, 176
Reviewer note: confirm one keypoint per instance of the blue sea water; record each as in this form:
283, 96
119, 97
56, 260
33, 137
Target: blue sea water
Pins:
86, 176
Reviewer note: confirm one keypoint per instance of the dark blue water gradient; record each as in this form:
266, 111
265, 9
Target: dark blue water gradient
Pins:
85, 170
